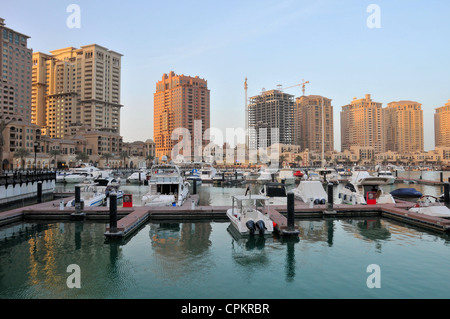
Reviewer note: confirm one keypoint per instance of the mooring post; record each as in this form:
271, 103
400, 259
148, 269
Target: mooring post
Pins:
113, 213
447, 193
290, 214
39, 192
330, 196
273, 177
77, 199
194, 191
442, 177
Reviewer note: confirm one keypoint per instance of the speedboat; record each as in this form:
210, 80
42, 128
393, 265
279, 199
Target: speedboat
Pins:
195, 176
91, 195
388, 174
276, 193
247, 217
166, 187
431, 206
137, 177
264, 177
364, 188
308, 191
328, 175
286, 176
75, 177
207, 173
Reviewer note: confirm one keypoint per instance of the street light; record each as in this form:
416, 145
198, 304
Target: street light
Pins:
36, 145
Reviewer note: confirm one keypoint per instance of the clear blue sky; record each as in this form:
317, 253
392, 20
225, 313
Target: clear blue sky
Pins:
270, 42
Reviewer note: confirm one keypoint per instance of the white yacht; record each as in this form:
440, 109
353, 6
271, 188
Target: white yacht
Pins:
388, 174
166, 187
363, 185
265, 176
247, 216
308, 191
286, 175
195, 176
136, 177
328, 175
207, 173
431, 206
91, 195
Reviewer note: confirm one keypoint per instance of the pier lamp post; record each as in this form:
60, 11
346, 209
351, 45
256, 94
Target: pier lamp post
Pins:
36, 145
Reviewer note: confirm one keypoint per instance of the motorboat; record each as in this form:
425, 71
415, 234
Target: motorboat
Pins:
195, 176
286, 176
386, 173
276, 193
264, 176
247, 215
137, 177
90, 194
364, 188
431, 206
298, 174
308, 191
75, 177
328, 175
405, 193
312, 176
207, 173
166, 187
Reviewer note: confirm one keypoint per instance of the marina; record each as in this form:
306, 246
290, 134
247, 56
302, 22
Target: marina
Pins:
299, 227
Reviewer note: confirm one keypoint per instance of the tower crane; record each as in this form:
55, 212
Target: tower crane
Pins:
303, 84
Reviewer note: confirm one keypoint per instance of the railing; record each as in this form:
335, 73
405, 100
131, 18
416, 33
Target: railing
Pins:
20, 177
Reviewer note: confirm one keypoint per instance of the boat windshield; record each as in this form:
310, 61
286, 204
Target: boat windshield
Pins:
276, 191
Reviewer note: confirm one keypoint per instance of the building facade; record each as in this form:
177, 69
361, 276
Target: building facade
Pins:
181, 102
15, 75
76, 86
403, 127
313, 115
270, 119
361, 124
442, 125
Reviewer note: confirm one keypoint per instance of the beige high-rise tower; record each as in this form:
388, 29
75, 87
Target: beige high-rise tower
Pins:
361, 124
442, 125
15, 75
76, 86
181, 101
403, 127
308, 122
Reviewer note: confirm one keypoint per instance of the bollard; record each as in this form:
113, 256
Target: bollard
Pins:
447, 193
442, 177
290, 214
39, 192
330, 196
113, 213
194, 191
77, 199
273, 177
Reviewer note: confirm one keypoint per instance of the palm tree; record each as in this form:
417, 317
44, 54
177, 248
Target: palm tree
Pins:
3, 125
82, 157
150, 158
54, 154
21, 153
124, 155
298, 158
107, 156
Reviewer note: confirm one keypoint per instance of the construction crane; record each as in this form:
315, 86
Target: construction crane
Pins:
303, 84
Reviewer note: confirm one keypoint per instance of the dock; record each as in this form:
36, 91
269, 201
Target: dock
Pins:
131, 218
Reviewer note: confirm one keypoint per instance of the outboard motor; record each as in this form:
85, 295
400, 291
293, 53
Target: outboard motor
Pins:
323, 201
316, 201
261, 226
251, 226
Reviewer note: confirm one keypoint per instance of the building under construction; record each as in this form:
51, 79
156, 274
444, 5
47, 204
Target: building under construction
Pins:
270, 117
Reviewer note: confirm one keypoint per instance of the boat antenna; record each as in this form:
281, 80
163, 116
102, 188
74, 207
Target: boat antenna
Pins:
248, 190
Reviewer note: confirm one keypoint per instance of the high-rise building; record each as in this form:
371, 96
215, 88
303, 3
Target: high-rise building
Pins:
313, 114
181, 102
269, 112
76, 86
403, 127
361, 124
442, 125
15, 73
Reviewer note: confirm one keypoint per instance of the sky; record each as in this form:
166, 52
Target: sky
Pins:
328, 43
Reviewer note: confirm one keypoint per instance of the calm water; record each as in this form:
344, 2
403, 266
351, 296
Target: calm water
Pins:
185, 260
